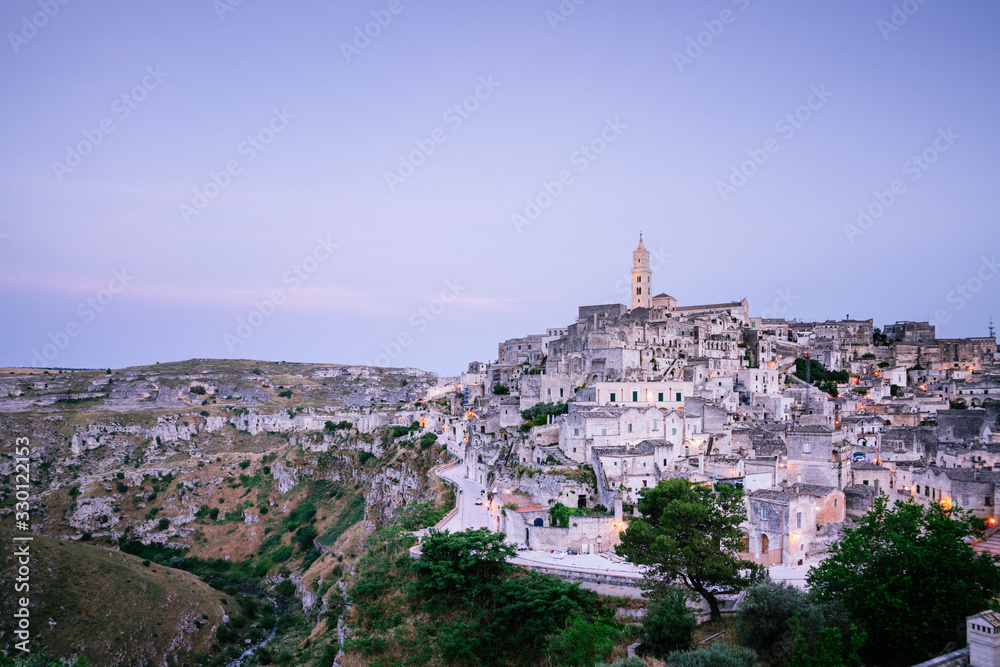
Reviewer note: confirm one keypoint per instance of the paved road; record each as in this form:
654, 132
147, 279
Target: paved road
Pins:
469, 515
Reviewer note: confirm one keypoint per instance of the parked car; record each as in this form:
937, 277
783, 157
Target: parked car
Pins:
479, 501
558, 553
522, 547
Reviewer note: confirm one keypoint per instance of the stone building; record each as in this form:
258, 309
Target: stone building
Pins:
787, 525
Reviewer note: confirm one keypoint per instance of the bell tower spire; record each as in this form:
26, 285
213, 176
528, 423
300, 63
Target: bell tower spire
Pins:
642, 277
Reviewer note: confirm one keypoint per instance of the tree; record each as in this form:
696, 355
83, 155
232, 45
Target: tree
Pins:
690, 533
461, 564
789, 626
908, 578
669, 624
501, 389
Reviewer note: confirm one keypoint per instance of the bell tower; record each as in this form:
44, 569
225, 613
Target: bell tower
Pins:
642, 277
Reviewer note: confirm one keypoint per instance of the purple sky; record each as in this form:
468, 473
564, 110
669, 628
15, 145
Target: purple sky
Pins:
327, 248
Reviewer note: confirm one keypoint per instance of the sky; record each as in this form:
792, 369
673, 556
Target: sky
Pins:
407, 183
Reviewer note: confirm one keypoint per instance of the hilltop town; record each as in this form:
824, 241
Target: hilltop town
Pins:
812, 419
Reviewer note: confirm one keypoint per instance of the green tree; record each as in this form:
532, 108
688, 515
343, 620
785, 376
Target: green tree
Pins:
461, 565
669, 623
501, 389
907, 576
780, 621
690, 533
582, 640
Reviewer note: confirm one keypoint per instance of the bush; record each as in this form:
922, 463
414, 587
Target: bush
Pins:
197, 390
204, 413
501, 389
716, 655
669, 624
285, 589
624, 662
122, 487
163, 524
285, 394
214, 514
245, 464
776, 618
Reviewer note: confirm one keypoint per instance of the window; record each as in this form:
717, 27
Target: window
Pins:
798, 519
604, 431
612, 397
678, 399
965, 500
576, 431
918, 488
644, 484
664, 462
763, 512
638, 279
635, 396
834, 500
988, 500
656, 426
560, 393
629, 428
673, 431
638, 290
807, 448
659, 396
865, 482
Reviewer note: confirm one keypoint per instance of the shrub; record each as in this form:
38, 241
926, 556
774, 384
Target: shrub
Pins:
245, 464
716, 655
204, 413
214, 514
163, 524
669, 624
501, 389
285, 394
286, 588
122, 487
197, 390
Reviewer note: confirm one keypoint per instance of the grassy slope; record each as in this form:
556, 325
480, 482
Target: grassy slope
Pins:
107, 606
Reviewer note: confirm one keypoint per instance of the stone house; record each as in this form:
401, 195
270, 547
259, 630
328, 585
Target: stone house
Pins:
787, 525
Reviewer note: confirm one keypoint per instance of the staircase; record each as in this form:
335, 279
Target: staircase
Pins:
556, 453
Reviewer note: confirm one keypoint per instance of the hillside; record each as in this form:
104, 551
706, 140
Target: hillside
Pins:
109, 607
260, 479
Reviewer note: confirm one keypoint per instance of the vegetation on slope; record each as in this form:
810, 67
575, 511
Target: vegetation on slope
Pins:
114, 608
